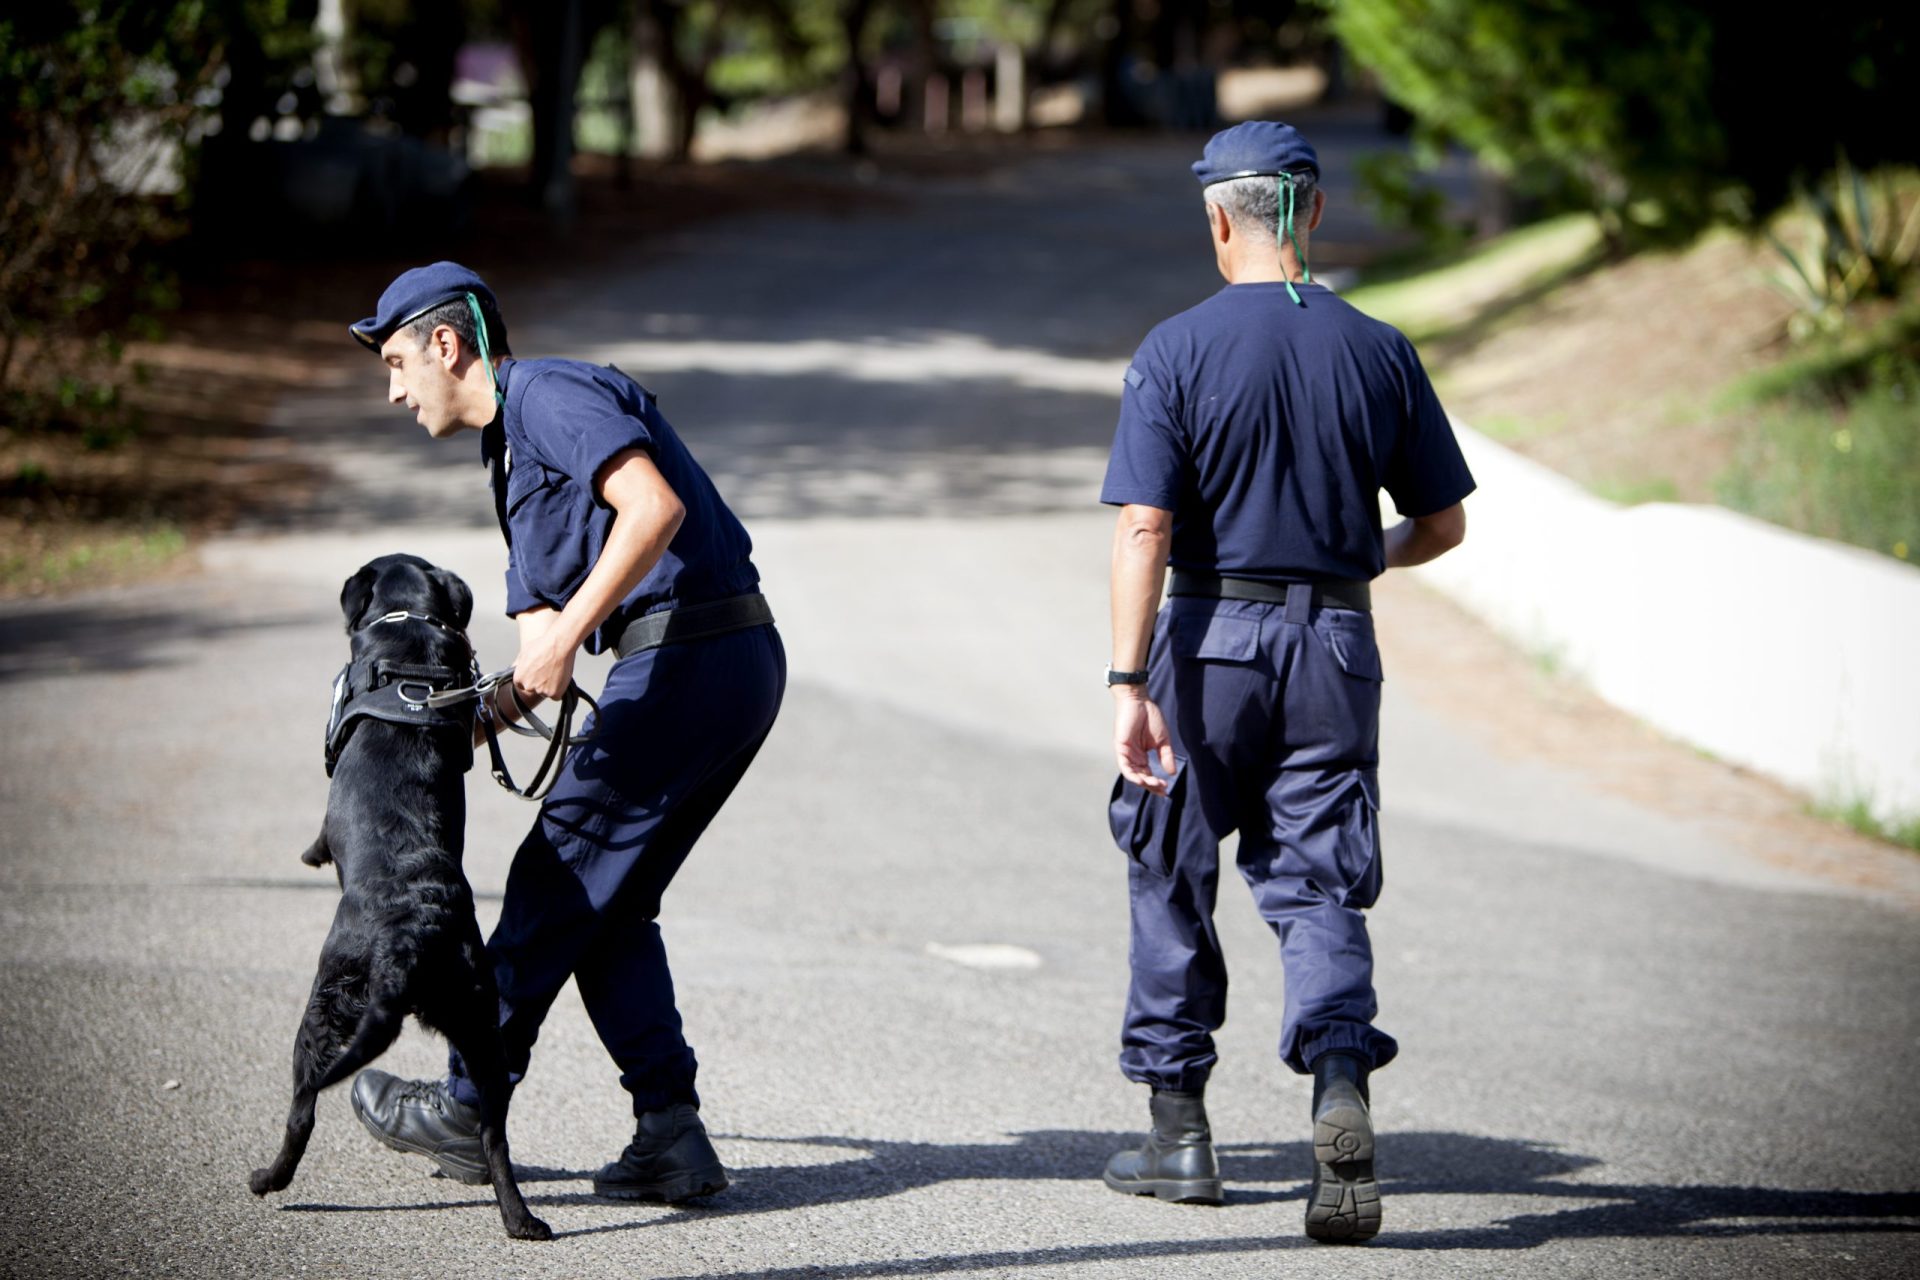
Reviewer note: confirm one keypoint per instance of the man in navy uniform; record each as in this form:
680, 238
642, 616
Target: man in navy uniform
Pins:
1256, 431
616, 540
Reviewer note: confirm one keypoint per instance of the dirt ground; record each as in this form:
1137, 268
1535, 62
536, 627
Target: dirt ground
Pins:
1612, 378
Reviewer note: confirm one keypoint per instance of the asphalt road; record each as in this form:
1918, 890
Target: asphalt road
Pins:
1628, 1048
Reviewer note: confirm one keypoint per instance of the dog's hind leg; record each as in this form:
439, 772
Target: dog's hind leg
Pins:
477, 1040
319, 1060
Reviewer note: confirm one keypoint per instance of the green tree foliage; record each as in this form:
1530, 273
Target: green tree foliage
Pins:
1661, 115
98, 98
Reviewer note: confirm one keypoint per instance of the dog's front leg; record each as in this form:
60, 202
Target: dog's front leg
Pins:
317, 853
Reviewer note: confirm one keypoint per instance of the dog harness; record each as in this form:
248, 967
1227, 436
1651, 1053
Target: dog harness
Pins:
403, 693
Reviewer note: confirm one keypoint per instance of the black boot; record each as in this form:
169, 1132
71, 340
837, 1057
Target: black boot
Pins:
421, 1117
669, 1159
1344, 1205
1177, 1162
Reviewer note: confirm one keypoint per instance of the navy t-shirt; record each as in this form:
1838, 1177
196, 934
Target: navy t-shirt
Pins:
563, 420
1269, 429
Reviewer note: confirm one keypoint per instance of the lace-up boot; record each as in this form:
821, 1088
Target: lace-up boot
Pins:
1177, 1161
423, 1118
670, 1158
1344, 1204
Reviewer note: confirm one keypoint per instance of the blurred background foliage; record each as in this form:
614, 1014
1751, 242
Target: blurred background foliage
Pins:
145, 136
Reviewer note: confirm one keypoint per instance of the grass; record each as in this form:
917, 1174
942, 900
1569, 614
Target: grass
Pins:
1833, 447
89, 560
1858, 814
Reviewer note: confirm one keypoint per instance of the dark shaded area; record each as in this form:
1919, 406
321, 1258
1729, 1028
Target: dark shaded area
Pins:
108, 638
1422, 1163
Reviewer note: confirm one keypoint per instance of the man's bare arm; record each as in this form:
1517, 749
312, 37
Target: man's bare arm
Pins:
1142, 540
1425, 538
647, 513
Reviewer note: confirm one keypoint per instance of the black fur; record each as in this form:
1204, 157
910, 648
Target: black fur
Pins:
404, 939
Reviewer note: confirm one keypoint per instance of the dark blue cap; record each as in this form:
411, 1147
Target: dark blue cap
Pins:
414, 293
1258, 148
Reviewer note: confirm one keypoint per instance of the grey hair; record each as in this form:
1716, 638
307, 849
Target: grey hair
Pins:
458, 316
1253, 204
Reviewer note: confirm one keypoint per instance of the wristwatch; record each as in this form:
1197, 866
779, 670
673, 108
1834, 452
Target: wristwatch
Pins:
1125, 677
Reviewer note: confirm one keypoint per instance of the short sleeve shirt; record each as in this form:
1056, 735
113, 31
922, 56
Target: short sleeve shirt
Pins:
563, 421
1269, 429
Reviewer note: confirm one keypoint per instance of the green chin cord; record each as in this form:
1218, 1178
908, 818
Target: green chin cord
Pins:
486, 356
1285, 181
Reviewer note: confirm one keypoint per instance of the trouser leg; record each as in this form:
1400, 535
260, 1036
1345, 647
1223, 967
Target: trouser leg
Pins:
1310, 842
624, 978
1177, 994
674, 722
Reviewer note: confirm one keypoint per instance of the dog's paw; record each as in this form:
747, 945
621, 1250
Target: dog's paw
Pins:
263, 1181
531, 1229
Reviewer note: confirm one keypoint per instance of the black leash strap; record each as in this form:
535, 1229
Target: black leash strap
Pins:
559, 735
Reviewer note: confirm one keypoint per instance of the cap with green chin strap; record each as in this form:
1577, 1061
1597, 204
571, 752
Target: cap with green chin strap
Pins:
486, 356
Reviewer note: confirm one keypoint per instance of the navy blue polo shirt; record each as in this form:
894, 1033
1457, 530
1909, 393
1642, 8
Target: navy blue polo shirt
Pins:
1269, 429
563, 420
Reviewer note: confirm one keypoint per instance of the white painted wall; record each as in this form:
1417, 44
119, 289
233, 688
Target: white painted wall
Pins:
1794, 656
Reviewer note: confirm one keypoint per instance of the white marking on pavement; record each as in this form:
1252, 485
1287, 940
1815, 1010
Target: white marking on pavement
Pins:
986, 955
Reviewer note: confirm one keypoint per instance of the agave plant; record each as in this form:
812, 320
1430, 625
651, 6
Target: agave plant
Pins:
1860, 243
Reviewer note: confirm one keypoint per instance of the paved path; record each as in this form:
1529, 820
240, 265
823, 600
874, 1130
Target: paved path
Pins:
1630, 1049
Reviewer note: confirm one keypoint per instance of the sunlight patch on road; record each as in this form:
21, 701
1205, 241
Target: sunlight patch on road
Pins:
947, 357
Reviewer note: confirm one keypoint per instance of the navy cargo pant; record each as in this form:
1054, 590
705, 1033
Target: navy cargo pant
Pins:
1274, 715
677, 728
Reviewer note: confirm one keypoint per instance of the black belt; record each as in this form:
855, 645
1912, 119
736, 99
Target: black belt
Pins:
1332, 593
695, 622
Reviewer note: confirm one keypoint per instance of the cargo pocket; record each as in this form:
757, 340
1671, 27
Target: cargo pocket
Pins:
1146, 826
1359, 852
1354, 649
1215, 638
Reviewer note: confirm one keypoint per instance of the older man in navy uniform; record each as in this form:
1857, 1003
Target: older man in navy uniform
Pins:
1256, 431
617, 540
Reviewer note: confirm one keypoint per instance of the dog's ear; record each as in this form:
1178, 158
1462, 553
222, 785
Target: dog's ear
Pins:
357, 594
457, 594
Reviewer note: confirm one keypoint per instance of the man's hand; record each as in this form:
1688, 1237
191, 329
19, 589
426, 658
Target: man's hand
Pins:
544, 665
1139, 730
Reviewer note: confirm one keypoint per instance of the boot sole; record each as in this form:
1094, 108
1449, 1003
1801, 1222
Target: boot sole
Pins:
1344, 1205
688, 1186
1193, 1191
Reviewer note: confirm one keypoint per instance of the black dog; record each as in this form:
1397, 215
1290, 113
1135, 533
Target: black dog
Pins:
404, 939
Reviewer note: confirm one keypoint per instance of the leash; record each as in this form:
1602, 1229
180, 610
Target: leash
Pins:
417, 700
559, 736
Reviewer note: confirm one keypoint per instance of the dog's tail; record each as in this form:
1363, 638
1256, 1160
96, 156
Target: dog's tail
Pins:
379, 1027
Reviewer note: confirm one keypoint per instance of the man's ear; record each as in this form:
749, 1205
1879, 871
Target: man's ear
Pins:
356, 595
1220, 224
447, 346
457, 594
1319, 208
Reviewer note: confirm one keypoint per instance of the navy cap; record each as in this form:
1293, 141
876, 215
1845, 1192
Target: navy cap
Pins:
414, 293
1258, 148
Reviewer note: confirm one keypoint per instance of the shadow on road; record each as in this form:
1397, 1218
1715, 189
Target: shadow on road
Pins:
1421, 1164
113, 637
